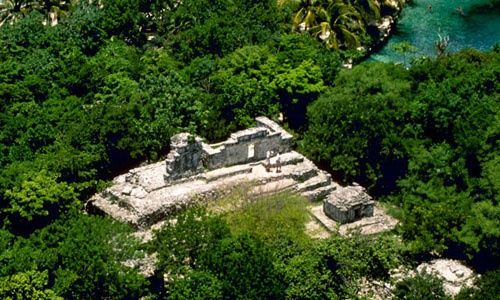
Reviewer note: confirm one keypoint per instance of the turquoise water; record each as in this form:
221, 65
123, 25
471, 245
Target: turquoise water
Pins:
478, 28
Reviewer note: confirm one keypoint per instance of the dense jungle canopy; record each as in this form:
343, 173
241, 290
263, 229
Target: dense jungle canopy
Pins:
90, 89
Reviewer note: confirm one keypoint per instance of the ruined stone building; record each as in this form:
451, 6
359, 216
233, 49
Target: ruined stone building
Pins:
194, 171
348, 204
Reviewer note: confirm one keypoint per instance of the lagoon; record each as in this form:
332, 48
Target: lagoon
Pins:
467, 24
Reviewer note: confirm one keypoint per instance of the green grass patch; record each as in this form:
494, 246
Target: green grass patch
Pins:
275, 218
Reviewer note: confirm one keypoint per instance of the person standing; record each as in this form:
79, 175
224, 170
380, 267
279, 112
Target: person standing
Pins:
268, 161
278, 163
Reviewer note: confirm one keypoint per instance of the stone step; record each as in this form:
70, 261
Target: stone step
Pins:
291, 158
273, 187
304, 174
322, 179
226, 172
320, 193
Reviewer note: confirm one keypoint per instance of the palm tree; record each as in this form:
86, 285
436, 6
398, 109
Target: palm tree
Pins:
368, 9
334, 22
8, 9
347, 24
12, 10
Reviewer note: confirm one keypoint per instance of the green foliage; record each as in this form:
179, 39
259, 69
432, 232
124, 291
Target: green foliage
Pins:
417, 136
339, 24
297, 87
84, 258
95, 270
332, 268
26, 285
108, 86
420, 286
198, 249
358, 127
245, 267
202, 27
38, 198
263, 80
481, 232
123, 17
429, 223
241, 89
486, 287
198, 285
307, 277
181, 242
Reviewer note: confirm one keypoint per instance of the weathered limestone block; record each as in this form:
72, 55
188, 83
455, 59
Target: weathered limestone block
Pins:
348, 204
185, 157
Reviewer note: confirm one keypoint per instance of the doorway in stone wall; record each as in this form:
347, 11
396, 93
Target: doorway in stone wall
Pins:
358, 213
251, 151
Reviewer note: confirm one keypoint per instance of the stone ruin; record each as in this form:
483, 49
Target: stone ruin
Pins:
196, 171
349, 204
189, 155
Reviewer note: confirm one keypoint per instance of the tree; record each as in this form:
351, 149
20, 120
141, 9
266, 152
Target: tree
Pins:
339, 24
86, 257
350, 258
123, 18
486, 287
307, 277
355, 128
245, 268
38, 200
180, 244
13, 10
240, 90
197, 285
202, 27
481, 234
26, 285
421, 286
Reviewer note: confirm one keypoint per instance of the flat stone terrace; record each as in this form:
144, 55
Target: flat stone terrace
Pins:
146, 198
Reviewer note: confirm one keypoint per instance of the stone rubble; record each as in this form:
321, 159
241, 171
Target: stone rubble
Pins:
455, 275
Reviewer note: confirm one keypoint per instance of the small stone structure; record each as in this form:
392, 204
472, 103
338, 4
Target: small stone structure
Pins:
348, 204
195, 171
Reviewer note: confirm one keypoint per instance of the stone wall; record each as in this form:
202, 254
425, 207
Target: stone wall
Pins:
248, 145
190, 156
350, 215
185, 157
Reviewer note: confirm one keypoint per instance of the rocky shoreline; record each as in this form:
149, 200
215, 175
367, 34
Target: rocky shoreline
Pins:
380, 31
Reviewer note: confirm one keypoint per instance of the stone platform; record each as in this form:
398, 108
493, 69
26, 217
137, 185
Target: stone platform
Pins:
142, 208
196, 172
